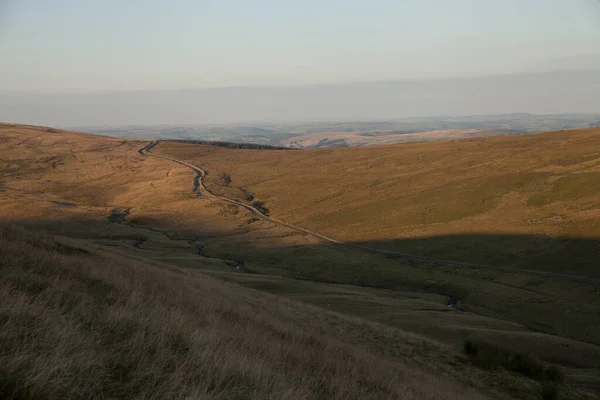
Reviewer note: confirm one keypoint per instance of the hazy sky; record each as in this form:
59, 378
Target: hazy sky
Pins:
543, 93
82, 45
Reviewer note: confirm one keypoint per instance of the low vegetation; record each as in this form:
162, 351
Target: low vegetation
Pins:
110, 201
89, 326
490, 356
233, 145
535, 194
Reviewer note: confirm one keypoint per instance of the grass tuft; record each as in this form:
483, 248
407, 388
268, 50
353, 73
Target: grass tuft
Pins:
550, 391
488, 356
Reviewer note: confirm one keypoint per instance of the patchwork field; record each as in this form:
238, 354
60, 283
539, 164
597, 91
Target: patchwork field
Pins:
371, 138
520, 202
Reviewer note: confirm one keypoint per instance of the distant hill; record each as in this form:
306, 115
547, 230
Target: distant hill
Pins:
366, 133
372, 138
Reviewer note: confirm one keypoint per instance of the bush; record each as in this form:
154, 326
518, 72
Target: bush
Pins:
525, 364
489, 356
226, 179
260, 206
470, 347
550, 391
555, 374
485, 355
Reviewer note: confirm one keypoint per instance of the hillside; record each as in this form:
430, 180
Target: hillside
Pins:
87, 324
342, 134
528, 202
142, 206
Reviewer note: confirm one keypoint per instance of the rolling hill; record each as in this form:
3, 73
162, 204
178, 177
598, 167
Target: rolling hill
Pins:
529, 201
364, 245
357, 133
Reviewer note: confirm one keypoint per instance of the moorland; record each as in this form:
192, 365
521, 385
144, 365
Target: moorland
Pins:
320, 273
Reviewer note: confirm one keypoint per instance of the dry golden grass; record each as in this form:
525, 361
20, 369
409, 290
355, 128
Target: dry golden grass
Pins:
86, 170
67, 176
78, 325
101, 191
402, 196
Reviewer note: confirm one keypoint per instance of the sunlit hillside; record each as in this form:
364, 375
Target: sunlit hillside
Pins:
530, 202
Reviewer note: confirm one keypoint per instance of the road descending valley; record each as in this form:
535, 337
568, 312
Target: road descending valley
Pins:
201, 190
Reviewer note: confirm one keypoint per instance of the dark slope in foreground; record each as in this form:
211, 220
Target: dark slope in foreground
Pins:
80, 325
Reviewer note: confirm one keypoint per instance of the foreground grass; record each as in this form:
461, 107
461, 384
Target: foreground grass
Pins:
77, 325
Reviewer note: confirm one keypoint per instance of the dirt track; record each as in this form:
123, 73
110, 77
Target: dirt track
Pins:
202, 190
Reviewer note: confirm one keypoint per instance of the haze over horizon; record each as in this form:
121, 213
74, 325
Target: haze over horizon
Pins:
538, 93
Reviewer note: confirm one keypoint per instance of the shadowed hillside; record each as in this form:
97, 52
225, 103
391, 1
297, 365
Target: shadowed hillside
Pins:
81, 324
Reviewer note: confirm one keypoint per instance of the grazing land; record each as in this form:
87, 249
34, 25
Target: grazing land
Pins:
88, 324
530, 202
491, 201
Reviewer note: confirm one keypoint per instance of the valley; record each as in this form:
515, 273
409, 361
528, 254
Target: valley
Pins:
379, 237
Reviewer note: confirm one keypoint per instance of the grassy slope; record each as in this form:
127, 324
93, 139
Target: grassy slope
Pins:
437, 199
99, 175
503, 172
80, 325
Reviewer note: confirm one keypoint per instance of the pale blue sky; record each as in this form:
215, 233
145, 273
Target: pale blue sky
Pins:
81, 45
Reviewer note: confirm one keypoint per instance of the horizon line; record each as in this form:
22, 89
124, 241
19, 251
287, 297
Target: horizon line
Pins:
340, 121
297, 86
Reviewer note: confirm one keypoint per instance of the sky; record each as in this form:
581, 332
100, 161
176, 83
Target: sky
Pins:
114, 45
540, 93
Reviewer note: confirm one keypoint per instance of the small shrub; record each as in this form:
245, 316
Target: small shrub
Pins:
525, 364
67, 249
554, 374
483, 355
550, 391
489, 356
470, 347
226, 179
260, 206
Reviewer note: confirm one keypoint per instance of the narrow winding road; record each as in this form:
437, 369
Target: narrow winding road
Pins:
202, 191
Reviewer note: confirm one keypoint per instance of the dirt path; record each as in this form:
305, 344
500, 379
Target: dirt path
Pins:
202, 190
